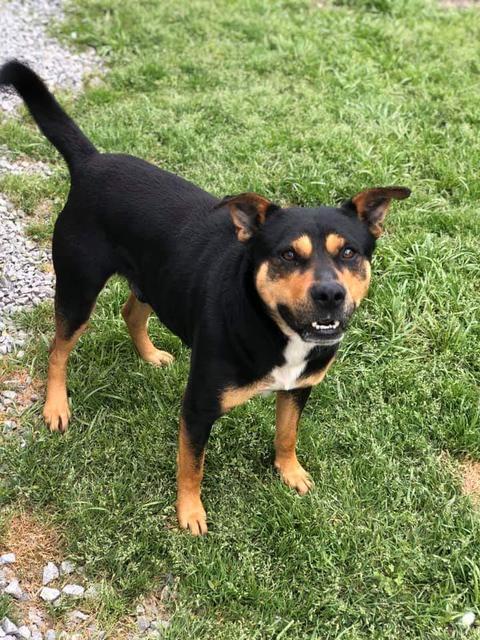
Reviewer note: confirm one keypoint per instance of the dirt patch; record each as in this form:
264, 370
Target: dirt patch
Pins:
470, 475
34, 542
18, 391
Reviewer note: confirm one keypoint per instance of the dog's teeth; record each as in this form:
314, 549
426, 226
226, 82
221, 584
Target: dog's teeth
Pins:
325, 327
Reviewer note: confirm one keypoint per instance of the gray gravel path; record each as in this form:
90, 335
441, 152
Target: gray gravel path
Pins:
24, 25
24, 279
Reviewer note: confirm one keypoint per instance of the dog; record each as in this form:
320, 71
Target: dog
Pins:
262, 294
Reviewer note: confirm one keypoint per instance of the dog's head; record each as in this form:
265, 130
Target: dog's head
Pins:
312, 266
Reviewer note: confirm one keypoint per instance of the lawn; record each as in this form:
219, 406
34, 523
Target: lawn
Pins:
305, 104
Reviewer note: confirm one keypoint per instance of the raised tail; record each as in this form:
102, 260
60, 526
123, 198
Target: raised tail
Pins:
54, 123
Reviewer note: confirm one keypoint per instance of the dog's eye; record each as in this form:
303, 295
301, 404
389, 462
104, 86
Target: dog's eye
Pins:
348, 253
289, 255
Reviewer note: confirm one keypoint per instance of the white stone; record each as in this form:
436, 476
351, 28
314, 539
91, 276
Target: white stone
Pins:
143, 624
466, 620
8, 626
49, 595
35, 617
50, 573
92, 591
67, 567
79, 615
73, 590
7, 558
50, 635
13, 589
24, 632
37, 635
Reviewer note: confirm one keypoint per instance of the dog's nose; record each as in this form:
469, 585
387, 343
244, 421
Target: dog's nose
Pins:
328, 294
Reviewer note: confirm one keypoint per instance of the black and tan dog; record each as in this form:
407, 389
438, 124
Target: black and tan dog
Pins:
261, 293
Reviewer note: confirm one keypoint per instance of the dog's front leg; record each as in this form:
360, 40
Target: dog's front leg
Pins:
193, 436
289, 408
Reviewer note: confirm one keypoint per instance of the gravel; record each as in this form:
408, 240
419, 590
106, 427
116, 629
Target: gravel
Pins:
7, 558
67, 567
24, 283
23, 279
50, 573
24, 632
49, 595
8, 626
21, 166
73, 590
13, 589
77, 615
143, 624
24, 35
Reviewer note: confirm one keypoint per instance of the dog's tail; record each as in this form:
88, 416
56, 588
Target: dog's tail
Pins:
54, 123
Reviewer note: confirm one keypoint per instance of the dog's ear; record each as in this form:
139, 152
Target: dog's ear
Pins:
372, 205
249, 211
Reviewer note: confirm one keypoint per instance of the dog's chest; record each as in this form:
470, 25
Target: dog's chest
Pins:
285, 376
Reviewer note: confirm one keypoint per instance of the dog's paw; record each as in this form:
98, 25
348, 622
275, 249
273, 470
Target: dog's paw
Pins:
56, 414
295, 476
158, 358
191, 515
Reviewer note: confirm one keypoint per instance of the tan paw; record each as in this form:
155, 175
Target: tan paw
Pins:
158, 358
191, 515
295, 476
56, 414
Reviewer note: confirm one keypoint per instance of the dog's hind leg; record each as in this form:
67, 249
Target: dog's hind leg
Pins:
56, 411
74, 301
136, 314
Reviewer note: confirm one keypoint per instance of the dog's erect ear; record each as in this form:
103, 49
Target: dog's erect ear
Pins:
249, 211
372, 205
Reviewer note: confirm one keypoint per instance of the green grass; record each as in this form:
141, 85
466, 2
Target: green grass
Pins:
305, 105
5, 607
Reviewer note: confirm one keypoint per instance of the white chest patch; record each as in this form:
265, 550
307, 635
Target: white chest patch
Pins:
295, 354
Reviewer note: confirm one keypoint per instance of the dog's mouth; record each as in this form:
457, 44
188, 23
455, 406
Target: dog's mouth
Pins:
324, 332
319, 330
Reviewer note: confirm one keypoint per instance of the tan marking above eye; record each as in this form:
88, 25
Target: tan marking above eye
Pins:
334, 243
303, 246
